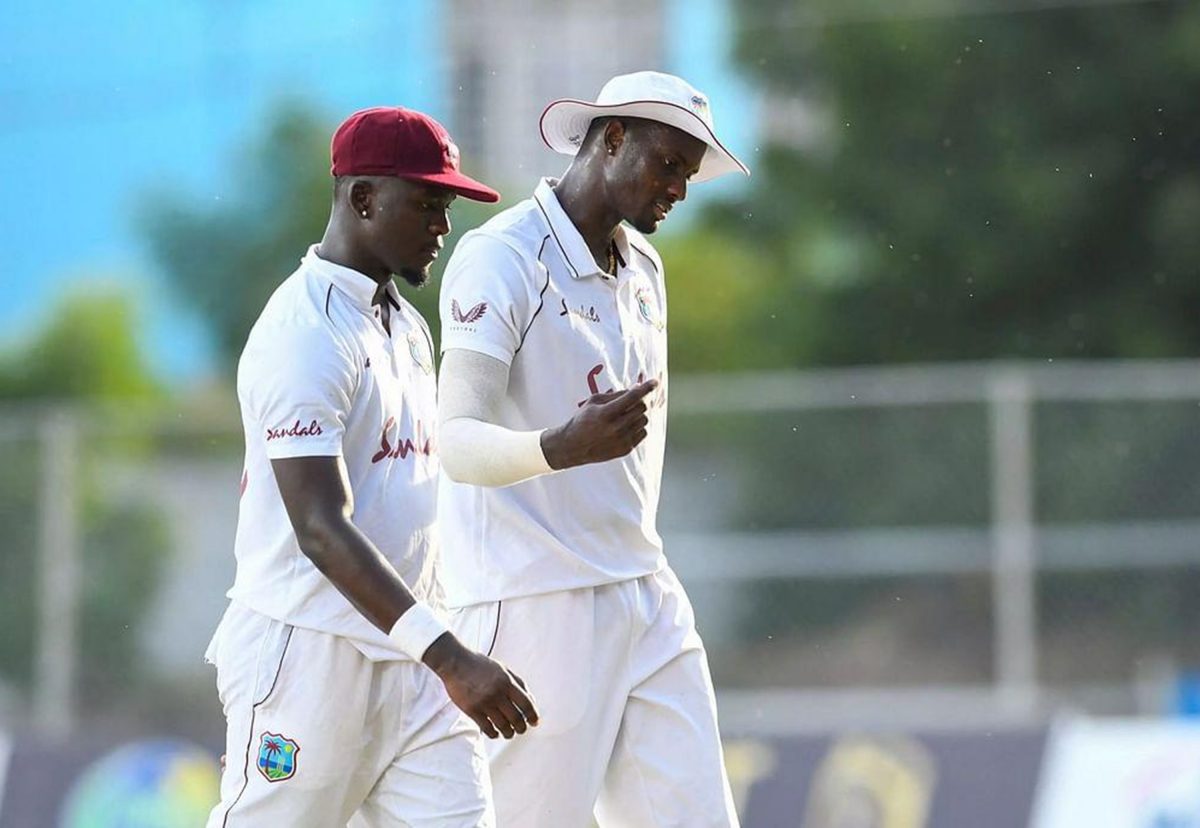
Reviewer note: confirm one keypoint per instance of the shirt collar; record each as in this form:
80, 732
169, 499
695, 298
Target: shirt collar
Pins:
575, 250
360, 287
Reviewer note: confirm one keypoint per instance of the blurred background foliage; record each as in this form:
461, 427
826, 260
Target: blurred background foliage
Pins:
85, 354
981, 186
86, 349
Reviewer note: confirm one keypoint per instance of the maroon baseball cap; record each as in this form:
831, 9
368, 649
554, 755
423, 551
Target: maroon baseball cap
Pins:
392, 140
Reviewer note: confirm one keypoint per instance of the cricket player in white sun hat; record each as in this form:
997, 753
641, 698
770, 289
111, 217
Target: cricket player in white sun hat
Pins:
553, 409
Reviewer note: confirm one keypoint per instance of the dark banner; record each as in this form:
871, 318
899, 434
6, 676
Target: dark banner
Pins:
982, 779
919, 780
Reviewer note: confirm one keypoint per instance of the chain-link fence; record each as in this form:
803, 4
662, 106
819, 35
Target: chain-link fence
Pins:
951, 543
919, 545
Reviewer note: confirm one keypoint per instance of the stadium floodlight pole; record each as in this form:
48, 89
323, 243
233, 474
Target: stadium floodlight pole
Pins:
58, 575
1013, 562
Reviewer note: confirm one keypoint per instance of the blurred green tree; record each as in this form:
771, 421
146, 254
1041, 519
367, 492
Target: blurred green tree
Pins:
947, 181
966, 185
88, 350
86, 354
713, 293
226, 258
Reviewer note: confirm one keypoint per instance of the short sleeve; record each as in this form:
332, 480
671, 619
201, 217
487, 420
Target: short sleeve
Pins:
485, 303
296, 383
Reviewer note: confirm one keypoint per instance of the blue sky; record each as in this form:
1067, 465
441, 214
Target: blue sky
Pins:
103, 103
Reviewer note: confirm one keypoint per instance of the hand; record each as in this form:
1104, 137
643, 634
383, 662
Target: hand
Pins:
608, 426
494, 697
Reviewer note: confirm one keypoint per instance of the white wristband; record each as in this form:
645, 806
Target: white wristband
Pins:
415, 630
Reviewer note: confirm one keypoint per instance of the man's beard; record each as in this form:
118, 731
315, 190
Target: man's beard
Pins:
417, 277
645, 225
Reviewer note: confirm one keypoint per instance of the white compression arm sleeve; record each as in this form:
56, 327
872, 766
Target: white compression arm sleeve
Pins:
473, 448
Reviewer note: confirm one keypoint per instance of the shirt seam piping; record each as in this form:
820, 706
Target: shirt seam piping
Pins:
557, 240
541, 297
253, 716
647, 256
496, 631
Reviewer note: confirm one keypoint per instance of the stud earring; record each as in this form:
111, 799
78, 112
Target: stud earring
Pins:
364, 213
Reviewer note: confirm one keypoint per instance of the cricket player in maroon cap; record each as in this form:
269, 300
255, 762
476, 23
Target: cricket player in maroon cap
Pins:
345, 695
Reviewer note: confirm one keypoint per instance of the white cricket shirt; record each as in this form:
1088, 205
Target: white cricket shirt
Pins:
524, 289
321, 377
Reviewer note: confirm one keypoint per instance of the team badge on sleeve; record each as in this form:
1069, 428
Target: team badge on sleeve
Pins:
277, 757
473, 314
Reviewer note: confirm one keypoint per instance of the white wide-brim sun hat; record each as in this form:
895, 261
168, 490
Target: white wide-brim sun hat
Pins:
651, 95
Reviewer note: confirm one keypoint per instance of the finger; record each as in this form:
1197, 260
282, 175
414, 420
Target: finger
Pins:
644, 388
520, 681
523, 702
631, 397
622, 411
635, 395
630, 425
500, 723
600, 399
633, 421
519, 723
485, 726
503, 720
638, 437
512, 717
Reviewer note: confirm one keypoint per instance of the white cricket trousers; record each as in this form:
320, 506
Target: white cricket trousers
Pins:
317, 733
628, 730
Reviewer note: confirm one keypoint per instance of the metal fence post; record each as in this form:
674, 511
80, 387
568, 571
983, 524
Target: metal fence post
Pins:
58, 575
1014, 569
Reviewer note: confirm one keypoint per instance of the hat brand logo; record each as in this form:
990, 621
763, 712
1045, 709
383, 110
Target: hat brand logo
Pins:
452, 154
653, 96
